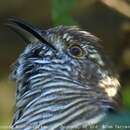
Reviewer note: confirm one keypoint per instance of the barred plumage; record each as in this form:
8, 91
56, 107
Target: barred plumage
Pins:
64, 79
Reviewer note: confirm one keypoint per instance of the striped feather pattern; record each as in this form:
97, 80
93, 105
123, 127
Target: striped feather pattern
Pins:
52, 102
56, 91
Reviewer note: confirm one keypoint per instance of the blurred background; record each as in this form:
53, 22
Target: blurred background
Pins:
107, 19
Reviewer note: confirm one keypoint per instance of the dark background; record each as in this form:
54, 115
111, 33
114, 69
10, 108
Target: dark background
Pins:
109, 21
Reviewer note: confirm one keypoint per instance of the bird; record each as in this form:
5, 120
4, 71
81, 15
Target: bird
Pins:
64, 79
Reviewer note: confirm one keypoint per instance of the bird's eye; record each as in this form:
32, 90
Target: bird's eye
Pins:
76, 50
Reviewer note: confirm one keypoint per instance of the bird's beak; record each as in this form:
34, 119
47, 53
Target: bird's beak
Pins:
26, 31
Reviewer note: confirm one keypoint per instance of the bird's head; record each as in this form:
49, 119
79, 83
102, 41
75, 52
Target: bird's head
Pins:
68, 64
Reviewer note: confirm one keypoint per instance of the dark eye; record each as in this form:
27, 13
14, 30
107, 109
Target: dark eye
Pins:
76, 50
